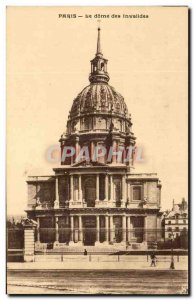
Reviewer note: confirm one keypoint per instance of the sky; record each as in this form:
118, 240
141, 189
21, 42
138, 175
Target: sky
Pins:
48, 63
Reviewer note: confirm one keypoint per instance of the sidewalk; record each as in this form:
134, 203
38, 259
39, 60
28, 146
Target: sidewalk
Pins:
95, 265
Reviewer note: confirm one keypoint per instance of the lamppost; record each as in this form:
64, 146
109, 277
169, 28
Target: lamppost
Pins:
172, 256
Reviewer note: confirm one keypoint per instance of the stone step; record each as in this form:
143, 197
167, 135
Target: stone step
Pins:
81, 250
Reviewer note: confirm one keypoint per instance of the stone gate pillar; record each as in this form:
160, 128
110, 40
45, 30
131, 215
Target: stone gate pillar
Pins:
29, 241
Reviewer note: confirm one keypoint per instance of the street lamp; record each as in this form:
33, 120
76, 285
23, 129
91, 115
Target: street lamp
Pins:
172, 256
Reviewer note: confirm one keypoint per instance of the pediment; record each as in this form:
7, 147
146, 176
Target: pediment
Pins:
86, 163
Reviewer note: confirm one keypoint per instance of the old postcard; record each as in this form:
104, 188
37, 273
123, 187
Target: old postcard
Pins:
97, 150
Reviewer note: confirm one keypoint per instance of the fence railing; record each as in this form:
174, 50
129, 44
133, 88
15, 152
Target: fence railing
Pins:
108, 258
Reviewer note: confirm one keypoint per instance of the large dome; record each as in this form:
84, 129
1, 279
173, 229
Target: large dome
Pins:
99, 115
99, 98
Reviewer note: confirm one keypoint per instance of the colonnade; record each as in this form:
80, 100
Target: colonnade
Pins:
108, 228
109, 188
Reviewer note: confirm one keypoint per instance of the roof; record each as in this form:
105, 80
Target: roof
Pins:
99, 98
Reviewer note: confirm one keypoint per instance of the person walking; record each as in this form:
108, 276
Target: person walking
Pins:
153, 260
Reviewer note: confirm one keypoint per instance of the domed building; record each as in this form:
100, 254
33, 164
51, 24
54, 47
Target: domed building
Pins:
94, 197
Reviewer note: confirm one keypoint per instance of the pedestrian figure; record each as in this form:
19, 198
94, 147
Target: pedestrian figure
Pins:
153, 260
85, 252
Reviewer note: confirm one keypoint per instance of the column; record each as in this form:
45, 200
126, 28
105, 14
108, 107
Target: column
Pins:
128, 229
123, 189
106, 187
91, 150
56, 188
124, 228
56, 229
124, 198
71, 187
38, 229
106, 229
80, 188
56, 203
71, 229
77, 149
111, 189
97, 187
97, 229
114, 157
111, 229
145, 191
80, 230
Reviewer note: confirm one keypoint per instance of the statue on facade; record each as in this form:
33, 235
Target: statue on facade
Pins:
29, 222
38, 204
56, 204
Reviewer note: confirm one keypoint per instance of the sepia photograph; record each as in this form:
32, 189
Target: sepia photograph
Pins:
97, 150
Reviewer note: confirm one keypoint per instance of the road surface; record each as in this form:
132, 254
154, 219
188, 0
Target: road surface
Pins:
97, 282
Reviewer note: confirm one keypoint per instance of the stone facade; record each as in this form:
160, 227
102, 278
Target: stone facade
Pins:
100, 200
176, 220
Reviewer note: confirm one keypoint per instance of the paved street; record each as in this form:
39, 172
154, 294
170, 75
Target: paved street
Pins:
97, 282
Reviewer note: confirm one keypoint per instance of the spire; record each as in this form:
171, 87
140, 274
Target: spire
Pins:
99, 72
98, 51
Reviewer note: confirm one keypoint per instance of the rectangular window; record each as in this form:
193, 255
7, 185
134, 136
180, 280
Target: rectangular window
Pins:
137, 193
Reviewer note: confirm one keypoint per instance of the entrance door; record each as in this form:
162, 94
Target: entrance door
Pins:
89, 225
90, 192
